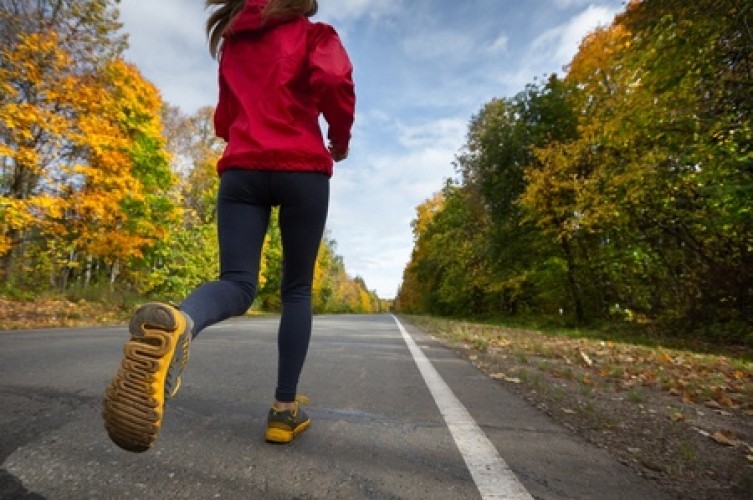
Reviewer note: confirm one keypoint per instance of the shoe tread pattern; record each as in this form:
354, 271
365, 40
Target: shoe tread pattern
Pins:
134, 401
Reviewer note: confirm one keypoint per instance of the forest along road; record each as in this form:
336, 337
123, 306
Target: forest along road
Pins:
394, 415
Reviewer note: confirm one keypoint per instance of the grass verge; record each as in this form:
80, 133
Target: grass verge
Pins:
677, 416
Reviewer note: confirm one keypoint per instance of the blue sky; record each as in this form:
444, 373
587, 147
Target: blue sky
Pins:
423, 68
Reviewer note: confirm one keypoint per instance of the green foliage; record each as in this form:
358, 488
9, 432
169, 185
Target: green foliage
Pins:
621, 191
271, 267
187, 258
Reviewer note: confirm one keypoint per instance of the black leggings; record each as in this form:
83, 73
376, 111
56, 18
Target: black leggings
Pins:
244, 203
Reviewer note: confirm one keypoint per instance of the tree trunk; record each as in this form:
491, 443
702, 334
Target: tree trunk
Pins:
88, 273
6, 261
572, 282
114, 272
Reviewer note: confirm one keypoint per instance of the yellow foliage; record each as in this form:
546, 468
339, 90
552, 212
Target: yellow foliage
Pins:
594, 62
425, 213
15, 214
52, 206
71, 135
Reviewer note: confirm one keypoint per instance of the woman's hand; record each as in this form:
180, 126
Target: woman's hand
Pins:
337, 155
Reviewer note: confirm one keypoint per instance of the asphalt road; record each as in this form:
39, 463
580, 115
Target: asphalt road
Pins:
377, 431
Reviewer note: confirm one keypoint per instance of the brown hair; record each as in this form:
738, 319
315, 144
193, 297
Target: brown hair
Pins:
222, 17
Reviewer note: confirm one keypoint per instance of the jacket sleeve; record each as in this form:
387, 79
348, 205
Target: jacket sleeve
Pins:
332, 81
221, 118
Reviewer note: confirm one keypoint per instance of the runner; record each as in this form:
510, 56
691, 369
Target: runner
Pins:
278, 73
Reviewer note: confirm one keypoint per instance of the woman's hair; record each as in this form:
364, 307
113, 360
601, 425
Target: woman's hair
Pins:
281, 8
222, 17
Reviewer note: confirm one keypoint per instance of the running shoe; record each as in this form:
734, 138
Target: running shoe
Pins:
284, 425
150, 373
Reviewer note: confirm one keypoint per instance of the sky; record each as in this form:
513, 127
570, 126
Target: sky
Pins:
422, 69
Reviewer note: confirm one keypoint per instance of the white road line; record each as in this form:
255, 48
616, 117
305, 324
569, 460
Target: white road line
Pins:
492, 475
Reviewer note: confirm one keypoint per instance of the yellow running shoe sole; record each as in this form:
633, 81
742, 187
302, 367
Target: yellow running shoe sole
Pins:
284, 434
284, 425
150, 373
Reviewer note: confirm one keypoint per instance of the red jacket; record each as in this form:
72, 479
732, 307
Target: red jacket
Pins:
275, 81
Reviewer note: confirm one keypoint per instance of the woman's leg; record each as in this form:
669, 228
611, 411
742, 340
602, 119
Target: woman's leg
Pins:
243, 209
156, 354
304, 200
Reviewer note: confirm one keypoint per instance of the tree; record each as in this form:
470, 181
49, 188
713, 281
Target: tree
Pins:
623, 188
85, 177
500, 156
189, 254
50, 49
668, 185
88, 30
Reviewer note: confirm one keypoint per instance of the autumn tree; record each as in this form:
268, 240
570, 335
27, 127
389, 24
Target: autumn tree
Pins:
619, 190
525, 264
414, 293
661, 114
85, 176
47, 45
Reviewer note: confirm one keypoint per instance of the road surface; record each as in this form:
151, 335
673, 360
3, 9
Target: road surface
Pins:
395, 415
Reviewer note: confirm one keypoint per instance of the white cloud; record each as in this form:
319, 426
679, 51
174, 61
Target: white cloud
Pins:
353, 10
500, 45
553, 50
573, 32
173, 55
374, 200
445, 45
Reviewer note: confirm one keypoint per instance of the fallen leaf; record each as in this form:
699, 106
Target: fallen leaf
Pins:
586, 359
677, 417
649, 464
666, 358
738, 374
726, 401
502, 376
569, 411
725, 438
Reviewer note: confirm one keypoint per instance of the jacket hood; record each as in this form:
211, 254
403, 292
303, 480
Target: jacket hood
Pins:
250, 18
